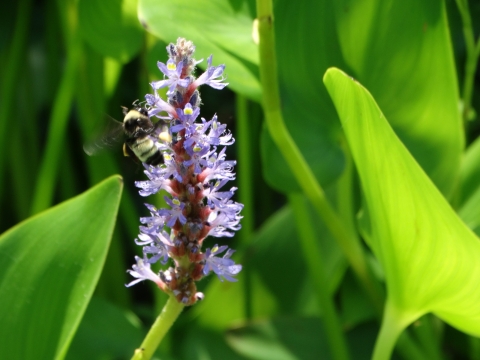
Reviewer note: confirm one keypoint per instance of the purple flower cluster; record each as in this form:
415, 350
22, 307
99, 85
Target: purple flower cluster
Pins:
194, 173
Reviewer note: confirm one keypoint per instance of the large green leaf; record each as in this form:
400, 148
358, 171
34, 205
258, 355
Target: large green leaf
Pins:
106, 332
400, 49
430, 257
276, 244
295, 338
111, 27
202, 343
286, 338
218, 27
49, 266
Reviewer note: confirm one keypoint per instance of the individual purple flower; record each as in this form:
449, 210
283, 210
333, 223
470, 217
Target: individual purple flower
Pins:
218, 135
158, 180
175, 213
197, 152
154, 223
156, 105
197, 136
186, 119
157, 248
209, 77
216, 198
173, 72
223, 267
219, 168
141, 271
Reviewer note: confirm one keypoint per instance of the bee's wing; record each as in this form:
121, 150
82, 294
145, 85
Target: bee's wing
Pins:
110, 137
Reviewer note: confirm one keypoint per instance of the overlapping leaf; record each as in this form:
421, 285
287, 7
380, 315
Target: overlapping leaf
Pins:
399, 49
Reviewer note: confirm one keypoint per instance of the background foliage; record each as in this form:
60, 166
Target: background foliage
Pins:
65, 65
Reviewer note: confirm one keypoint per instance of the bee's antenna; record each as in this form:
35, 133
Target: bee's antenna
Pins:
139, 104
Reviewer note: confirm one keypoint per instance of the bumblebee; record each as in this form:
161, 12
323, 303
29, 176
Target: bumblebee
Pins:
138, 133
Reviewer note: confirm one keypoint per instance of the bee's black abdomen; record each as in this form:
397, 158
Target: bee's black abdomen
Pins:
155, 159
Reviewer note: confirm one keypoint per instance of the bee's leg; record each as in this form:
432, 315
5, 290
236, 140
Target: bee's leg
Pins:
126, 150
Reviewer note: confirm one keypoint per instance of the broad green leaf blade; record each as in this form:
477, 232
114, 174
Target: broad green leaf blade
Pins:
218, 27
199, 343
286, 338
430, 257
356, 307
49, 266
111, 27
295, 338
277, 244
106, 332
400, 49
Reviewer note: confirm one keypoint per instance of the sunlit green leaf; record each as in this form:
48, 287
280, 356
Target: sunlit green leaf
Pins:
49, 266
429, 255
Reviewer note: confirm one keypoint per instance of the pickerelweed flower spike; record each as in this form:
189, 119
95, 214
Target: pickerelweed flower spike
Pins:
195, 174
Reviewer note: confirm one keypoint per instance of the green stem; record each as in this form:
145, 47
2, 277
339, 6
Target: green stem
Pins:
245, 193
46, 182
10, 74
245, 173
160, 327
309, 241
393, 323
473, 51
350, 246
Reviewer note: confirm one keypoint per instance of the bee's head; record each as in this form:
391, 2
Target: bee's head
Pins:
137, 122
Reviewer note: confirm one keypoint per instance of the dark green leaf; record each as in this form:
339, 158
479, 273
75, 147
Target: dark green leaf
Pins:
49, 266
203, 344
111, 27
277, 255
106, 332
287, 338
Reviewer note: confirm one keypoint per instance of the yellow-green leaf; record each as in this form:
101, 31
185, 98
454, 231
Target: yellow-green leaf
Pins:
430, 257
